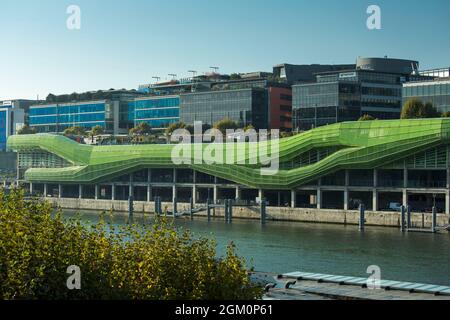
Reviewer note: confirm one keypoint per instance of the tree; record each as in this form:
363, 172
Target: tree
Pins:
75, 131
248, 127
225, 124
366, 117
26, 129
97, 130
174, 126
156, 262
235, 76
141, 129
51, 98
446, 114
415, 109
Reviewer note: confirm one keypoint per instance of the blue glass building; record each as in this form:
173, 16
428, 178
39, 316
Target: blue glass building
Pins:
12, 118
3, 125
158, 112
55, 118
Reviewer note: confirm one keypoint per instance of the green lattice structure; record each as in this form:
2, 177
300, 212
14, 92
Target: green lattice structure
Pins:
303, 158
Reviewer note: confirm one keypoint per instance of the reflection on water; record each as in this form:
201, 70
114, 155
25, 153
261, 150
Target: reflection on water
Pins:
282, 247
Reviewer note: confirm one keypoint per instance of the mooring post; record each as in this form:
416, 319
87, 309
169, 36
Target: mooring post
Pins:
174, 207
208, 208
362, 217
230, 211
157, 208
402, 218
191, 208
130, 206
225, 206
263, 211
408, 217
434, 220
159, 205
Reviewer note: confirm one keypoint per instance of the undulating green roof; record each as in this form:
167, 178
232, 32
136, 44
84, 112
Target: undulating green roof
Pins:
356, 145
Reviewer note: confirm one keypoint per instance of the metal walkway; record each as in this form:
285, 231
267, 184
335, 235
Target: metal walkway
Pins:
384, 284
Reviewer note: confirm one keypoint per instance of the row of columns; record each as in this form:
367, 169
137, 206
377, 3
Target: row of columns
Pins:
261, 193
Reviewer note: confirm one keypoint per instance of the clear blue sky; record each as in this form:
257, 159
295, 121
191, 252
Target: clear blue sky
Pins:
124, 43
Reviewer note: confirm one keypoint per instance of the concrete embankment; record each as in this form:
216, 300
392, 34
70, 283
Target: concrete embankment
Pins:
384, 219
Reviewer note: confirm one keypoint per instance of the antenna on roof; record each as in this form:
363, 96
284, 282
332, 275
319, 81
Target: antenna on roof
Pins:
157, 79
215, 69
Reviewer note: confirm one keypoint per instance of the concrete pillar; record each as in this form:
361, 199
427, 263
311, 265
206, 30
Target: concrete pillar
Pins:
347, 178
293, 198
374, 200
174, 175
194, 194
96, 192
447, 202
149, 193
59, 190
405, 197
260, 194
31, 187
174, 192
448, 178
215, 194
130, 190
149, 175
113, 192
80, 191
345, 199
375, 178
45, 190
319, 198
405, 178
238, 193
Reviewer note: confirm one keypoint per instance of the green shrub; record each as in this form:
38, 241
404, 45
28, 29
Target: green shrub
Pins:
130, 262
366, 117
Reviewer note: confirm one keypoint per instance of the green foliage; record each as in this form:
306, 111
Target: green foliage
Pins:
175, 126
415, 109
225, 124
235, 76
26, 129
248, 127
86, 96
75, 131
366, 117
141, 129
131, 262
446, 114
97, 130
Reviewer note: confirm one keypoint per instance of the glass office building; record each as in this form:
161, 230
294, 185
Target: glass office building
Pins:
437, 73
3, 124
158, 112
12, 118
436, 92
244, 106
374, 88
54, 118
346, 96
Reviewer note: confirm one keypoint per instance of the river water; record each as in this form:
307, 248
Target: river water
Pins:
282, 247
